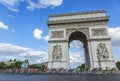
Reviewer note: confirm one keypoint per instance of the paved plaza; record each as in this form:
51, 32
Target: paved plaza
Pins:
59, 77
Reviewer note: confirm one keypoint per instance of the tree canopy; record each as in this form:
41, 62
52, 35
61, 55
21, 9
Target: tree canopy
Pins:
118, 64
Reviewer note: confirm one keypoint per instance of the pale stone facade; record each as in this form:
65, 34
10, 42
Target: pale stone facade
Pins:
88, 27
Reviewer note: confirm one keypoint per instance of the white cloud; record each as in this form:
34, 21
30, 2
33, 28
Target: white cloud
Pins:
77, 57
35, 56
76, 46
9, 51
47, 3
46, 38
37, 33
115, 36
43, 4
11, 4
3, 26
6, 58
76, 53
32, 5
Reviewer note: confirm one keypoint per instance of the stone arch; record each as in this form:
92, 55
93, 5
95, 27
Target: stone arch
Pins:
78, 35
81, 36
70, 31
88, 27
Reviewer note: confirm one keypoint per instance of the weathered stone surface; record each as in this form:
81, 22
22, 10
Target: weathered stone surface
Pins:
57, 34
99, 32
88, 27
57, 53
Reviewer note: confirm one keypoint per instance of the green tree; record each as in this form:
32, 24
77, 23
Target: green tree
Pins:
81, 67
34, 66
118, 64
3, 65
17, 64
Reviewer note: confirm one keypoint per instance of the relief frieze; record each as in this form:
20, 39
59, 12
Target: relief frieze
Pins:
99, 32
57, 34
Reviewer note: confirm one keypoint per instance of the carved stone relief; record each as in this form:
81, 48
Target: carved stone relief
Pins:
102, 52
99, 32
57, 34
57, 53
80, 25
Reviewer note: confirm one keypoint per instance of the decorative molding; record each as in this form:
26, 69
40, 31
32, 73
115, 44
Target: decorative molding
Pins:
57, 34
54, 40
106, 18
98, 39
80, 25
99, 32
79, 13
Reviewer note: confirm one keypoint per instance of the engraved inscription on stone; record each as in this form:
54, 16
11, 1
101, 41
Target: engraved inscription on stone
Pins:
57, 34
99, 32
102, 52
57, 53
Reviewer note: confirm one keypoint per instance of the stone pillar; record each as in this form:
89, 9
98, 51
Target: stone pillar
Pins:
58, 54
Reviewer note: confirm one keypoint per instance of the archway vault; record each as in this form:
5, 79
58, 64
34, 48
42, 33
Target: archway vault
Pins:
78, 35
79, 26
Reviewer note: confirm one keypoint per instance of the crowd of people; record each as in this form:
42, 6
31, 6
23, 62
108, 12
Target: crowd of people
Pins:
36, 70
55, 70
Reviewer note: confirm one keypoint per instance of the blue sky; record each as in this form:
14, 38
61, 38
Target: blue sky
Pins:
24, 30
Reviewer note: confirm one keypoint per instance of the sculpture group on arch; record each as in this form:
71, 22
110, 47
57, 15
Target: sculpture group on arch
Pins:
88, 27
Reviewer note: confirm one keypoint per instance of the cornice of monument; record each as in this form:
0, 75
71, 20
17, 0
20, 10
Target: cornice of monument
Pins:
105, 18
52, 40
78, 13
97, 39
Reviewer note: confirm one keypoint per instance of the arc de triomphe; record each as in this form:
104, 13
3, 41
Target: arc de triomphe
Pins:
88, 27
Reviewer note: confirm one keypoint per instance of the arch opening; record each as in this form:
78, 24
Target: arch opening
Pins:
78, 49
76, 53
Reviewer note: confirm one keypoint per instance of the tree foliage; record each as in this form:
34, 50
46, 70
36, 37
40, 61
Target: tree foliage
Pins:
81, 67
118, 64
3, 65
36, 66
17, 64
